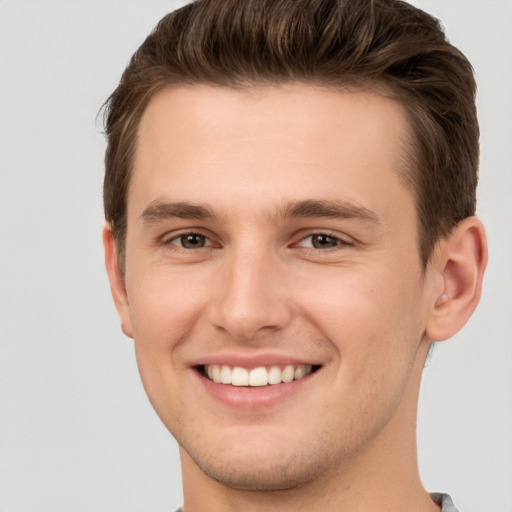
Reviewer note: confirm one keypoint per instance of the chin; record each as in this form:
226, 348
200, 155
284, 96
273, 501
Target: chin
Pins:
272, 477
267, 469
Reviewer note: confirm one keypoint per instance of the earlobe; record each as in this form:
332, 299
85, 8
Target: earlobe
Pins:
460, 262
117, 284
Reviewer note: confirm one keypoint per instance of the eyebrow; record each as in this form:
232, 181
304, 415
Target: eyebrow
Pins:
158, 211
332, 209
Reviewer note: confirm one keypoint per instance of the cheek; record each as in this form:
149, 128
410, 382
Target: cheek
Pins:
372, 317
164, 306
164, 311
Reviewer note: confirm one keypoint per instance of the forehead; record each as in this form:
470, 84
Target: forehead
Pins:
274, 141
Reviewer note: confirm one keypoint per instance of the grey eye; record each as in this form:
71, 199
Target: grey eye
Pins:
192, 241
324, 241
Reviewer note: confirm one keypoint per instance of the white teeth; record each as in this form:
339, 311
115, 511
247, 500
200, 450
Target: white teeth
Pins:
216, 374
288, 374
274, 375
260, 376
239, 377
225, 374
302, 371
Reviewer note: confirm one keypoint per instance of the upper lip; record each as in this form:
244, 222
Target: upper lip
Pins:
250, 361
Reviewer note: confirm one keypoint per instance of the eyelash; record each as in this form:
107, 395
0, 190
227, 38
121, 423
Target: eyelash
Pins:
339, 242
169, 241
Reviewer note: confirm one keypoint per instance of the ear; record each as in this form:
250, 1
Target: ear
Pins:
116, 279
459, 266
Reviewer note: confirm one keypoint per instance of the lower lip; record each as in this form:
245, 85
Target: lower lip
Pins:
245, 397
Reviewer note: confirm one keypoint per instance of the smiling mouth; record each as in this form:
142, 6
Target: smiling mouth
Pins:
256, 377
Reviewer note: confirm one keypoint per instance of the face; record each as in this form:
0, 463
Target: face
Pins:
270, 237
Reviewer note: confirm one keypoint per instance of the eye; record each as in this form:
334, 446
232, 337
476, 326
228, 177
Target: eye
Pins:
190, 241
321, 241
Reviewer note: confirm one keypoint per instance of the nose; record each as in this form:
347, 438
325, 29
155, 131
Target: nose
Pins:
250, 297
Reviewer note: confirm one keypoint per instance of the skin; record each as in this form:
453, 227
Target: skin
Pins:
261, 287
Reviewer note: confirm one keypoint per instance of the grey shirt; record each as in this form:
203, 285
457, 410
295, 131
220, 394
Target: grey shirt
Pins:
445, 501
441, 499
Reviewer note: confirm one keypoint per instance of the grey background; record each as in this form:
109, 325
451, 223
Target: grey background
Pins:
76, 431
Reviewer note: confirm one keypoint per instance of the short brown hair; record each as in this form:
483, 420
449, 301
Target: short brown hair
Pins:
385, 44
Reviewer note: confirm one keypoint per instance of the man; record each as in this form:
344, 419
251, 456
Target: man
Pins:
290, 197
